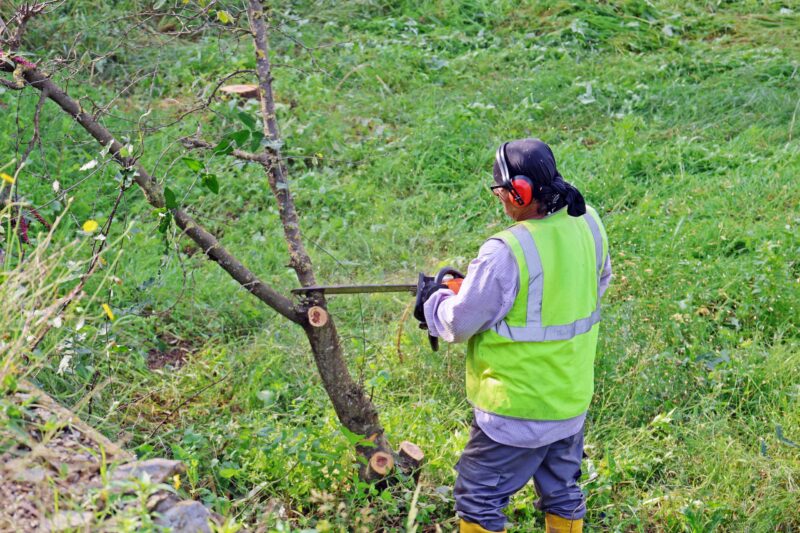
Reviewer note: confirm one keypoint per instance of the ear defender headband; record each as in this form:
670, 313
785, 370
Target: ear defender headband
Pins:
520, 187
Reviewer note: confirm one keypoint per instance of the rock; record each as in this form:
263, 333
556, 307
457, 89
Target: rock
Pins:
36, 474
159, 470
68, 520
186, 517
162, 501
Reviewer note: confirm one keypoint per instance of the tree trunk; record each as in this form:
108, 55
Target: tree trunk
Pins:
352, 406
354, 409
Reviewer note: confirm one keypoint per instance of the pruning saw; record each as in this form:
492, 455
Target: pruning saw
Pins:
446, 278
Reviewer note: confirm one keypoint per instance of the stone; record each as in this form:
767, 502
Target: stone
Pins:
36, 474
68, 520
159, 470
186, 517
162, 501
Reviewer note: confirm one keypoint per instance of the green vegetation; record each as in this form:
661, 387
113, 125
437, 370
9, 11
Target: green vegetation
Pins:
677, 120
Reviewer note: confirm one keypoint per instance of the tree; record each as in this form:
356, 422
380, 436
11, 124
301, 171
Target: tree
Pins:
353, 407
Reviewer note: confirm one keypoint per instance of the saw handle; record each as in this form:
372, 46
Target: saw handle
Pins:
454, 284
448, 271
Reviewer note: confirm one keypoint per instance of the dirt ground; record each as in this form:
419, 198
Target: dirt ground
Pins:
50, 462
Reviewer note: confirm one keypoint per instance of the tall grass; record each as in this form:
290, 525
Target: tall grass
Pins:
677, 121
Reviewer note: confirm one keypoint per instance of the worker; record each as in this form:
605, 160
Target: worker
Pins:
529, 309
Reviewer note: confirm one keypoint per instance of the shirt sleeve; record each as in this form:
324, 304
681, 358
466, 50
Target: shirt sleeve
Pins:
485, 298
605, 276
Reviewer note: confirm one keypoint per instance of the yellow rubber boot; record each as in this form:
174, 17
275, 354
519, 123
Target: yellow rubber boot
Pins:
557, 524
469, 527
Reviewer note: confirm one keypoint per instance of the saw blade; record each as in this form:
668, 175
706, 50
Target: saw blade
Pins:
357, 289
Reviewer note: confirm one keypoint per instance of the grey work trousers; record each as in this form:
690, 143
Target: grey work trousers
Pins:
490, 472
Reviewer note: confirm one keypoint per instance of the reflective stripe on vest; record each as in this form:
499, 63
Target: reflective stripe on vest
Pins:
531, 328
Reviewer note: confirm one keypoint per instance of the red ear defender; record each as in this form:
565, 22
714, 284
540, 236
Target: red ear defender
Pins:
524, 188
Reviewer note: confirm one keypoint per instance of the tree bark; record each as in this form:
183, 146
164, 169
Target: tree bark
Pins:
300, 260
353, 407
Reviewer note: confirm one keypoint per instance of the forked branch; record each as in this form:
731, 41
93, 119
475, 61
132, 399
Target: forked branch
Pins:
353, 406
154, 193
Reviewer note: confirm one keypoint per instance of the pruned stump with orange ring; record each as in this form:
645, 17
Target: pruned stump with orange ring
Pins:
317, 316
379, 466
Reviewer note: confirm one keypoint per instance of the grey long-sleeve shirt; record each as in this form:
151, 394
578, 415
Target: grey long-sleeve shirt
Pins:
485, 298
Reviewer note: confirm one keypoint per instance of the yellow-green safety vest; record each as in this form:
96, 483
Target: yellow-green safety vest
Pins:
538, 362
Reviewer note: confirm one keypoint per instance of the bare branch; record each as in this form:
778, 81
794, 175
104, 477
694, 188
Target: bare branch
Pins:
207, 103
299, 259
11, 85
353, 407
103, 109
195, 143
154, 193
21, 18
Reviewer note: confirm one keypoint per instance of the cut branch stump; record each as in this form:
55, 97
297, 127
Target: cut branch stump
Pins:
378, 466
242, 91
410, 458
317, 316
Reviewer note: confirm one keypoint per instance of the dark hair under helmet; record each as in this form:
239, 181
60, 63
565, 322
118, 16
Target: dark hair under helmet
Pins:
534, 159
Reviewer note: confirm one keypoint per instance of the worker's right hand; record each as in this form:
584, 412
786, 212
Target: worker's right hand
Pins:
427, 286
446, 278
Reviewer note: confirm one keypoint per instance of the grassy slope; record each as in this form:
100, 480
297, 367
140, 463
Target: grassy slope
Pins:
686, 144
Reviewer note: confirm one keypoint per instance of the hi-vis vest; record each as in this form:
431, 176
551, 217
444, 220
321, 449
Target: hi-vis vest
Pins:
538, 362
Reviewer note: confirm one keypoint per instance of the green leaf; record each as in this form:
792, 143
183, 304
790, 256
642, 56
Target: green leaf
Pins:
247, 120
169, 198
143, 450
255, 141
193, 164
163, 226
228, 473
210, 182
357, 440
240, 137
224, 147
12, 411
224, 17
226, 144
10, 383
